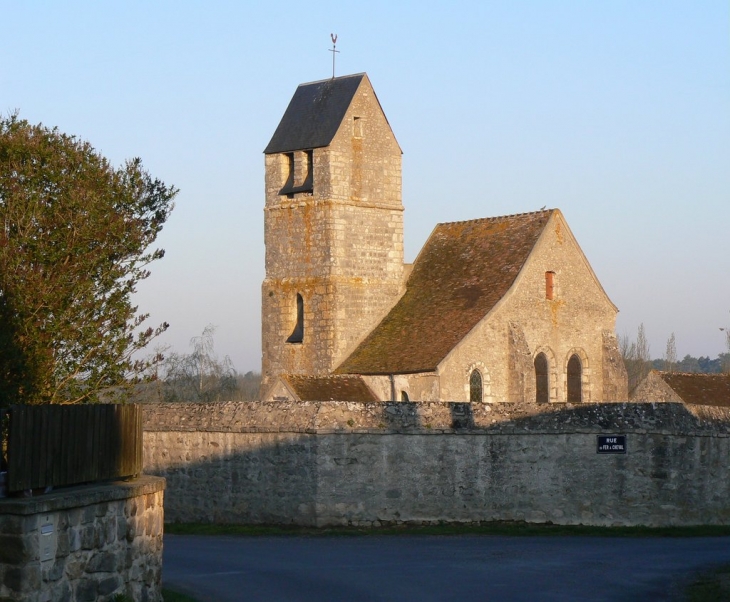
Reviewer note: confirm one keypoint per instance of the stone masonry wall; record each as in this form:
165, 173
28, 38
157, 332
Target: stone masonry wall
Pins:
339, 246
84, 543
333, 463
653, 387
572, 322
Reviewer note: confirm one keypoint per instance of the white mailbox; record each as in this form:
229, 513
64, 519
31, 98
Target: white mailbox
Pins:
48, 539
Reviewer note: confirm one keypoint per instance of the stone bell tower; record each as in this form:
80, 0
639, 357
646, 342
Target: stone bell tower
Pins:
333, 227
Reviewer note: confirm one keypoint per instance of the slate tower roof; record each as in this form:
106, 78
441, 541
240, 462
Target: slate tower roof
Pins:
314, 114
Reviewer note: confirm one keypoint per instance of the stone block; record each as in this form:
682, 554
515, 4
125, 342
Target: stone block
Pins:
74, 539
13, 549
101, 509
75, 567
131, 530
88, 536
102, 562
61, 592
62, 544
86, 590
88, 515
110, 530
121, 529
130, 508
109, 585
23, 579
53, 571
74, 516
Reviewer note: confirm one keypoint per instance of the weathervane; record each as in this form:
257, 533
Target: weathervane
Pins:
334, 50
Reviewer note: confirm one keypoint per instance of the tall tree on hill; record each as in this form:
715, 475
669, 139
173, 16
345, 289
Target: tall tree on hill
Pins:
670, 356
74, 239
636, 357
726, 356
199, 376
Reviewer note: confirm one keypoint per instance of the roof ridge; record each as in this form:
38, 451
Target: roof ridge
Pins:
497, 217
329, 79
725, 374
314, 376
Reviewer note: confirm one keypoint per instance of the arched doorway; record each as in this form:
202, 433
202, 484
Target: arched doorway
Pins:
575, 378
542, 381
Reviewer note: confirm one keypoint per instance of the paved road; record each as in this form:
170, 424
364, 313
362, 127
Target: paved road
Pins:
422, 568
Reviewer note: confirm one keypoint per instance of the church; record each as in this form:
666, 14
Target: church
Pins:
502, 309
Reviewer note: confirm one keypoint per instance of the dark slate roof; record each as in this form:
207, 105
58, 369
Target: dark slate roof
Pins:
314, 114
463, 270
700, 389
329, 388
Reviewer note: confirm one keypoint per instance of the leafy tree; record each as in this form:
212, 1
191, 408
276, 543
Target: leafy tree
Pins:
636, 357
199, 376
74, 239
690, 365
249, 385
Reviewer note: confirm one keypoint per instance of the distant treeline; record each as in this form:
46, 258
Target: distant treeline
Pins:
701, 364
228, 387
197, 377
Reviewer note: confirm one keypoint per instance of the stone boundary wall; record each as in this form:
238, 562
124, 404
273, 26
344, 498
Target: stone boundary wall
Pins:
84, 543
337, 463
432, 417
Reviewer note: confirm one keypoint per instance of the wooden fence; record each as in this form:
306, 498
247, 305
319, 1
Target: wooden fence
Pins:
54, 445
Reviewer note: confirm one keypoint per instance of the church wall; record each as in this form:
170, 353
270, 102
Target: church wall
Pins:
365, 159
367, 223
615, 377
339, 463
418, 387
572, 322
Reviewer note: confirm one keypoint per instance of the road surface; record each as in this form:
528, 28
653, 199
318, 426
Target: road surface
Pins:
436, 568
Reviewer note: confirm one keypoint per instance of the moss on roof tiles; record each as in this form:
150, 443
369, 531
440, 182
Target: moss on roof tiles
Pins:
700, 389
462, 272
330, 388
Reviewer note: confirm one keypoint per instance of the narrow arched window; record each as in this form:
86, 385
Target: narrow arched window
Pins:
404, 396
575, 393
475, 386
542, 380
297, 335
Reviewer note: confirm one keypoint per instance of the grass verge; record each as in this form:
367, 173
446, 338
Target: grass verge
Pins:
710, 586
492, 528
169, 595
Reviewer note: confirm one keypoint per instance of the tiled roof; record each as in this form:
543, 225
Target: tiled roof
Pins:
463, 270
700, 389
314, 114
329, 388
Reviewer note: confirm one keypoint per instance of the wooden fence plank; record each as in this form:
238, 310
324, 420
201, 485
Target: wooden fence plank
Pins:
92, 441
65, 445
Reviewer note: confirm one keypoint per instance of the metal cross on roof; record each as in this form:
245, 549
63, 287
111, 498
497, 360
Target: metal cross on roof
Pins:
334, 50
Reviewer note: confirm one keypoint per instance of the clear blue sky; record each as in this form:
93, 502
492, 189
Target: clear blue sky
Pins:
616, 112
